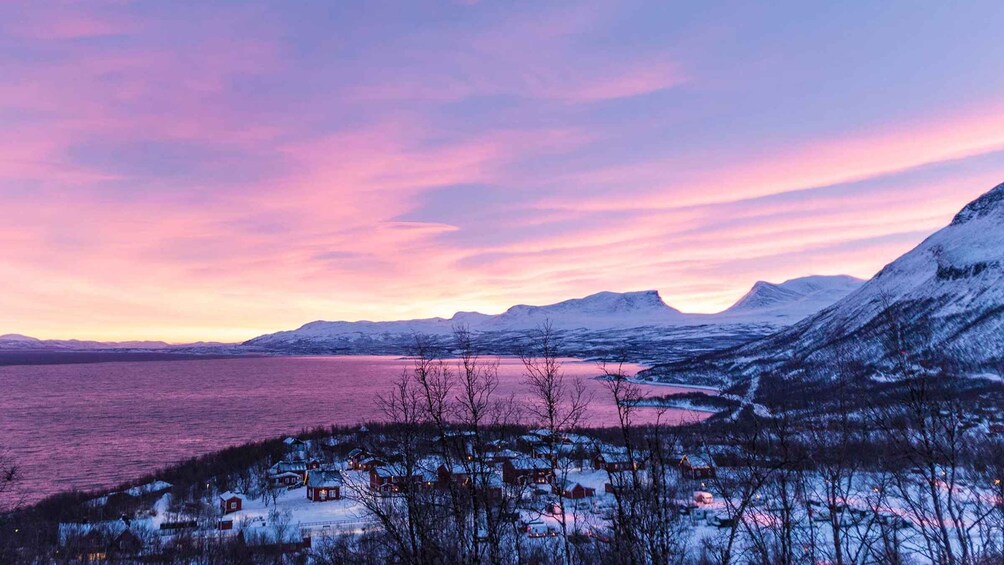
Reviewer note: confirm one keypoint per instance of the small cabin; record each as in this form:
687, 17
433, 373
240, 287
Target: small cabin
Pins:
527, 470
355, 457
697, 467
324, 485
392, 479
286, 479
230, 502
370, 463
614, 461
574, 491
288, 473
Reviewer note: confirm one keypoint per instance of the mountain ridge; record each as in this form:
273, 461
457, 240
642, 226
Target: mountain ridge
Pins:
943, 299
595, 312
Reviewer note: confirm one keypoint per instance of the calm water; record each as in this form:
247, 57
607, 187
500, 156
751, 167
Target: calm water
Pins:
95, 425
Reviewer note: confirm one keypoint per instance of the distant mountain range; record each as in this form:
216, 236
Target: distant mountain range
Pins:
18, 342
23, 342
943, 300
764, 304
638, 324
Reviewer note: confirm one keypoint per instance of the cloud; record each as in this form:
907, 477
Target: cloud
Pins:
221, 170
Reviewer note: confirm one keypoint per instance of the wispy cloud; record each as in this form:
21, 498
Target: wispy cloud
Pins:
213, 171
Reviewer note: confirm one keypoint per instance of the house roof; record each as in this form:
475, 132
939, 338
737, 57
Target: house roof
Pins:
472, 468
448, 434
570, 485
324, 479
698, 460
288, 467
229, 494
154, 486
612, 453
530, 463
396, 471
111, 528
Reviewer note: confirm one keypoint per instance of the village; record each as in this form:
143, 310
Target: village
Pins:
532, 489
324, 488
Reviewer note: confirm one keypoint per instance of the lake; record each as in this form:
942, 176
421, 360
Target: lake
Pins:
95, 425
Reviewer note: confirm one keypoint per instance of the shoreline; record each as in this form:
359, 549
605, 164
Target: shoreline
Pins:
703, 388
675, 406
169, 472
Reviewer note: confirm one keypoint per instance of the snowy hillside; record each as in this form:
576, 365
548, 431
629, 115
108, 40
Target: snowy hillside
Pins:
945, 299
792, 300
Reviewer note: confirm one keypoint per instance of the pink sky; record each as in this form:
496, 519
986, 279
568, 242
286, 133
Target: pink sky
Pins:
213, 171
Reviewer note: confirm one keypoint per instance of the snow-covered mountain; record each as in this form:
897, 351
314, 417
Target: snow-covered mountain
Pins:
944, 299
639, 323
792, 300
601, 312
26, 343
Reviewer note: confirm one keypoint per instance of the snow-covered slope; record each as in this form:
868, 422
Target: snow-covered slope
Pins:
792, 300
944, 298
601, 310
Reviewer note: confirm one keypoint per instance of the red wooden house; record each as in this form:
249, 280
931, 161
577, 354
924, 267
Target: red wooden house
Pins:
324, 485
230, 502
697, 467
289, 473
613, 461
573, 490
390, 479
527, 470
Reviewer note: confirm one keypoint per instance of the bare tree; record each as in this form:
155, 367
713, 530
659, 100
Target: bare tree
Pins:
753, 463
646, 524
558, 406
929, 449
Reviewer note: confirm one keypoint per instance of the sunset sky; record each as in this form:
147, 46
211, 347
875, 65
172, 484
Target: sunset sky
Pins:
217, 170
